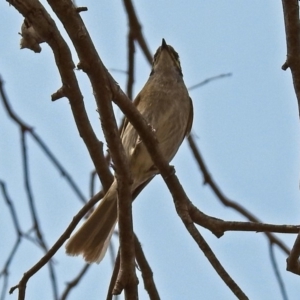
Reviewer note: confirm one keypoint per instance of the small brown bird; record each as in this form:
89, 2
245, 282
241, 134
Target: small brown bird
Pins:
165, 104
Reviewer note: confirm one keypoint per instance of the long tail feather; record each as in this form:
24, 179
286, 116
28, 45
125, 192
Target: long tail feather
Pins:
92, 239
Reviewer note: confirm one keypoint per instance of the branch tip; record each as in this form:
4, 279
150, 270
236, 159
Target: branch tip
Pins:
81, 9
83, 66
285, 66
12, 289
58, 94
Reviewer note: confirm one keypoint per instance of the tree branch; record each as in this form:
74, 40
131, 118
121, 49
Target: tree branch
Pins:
291, 21
46, 27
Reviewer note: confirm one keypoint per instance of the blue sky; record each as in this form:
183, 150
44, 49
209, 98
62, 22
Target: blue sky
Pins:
246, 127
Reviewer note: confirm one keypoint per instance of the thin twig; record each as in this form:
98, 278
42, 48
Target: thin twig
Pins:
34, 215
4, 273
136, 29
46, 258
35, 12
147, 273
29, 129
113, 278
208, 179
277, 273
11, 207
74, 282
208, 80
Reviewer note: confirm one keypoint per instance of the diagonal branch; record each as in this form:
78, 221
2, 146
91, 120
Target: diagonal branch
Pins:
101, 81
42, 22
74, 282
227, 202
29, 130
46, 258
208, 80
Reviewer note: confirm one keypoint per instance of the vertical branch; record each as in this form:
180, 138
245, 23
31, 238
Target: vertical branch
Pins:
293, 263
147, 273
5, 271
103, 86
113, 278
277, 273
33, 211
92, 183
11, 208
136, 28
291, 21
28, 186
130, 71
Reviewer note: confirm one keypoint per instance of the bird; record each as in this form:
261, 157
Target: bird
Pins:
165, 104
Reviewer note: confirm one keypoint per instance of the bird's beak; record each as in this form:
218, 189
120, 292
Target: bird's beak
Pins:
164, 44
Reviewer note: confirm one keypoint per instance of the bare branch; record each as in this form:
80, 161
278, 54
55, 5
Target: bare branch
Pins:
136, 29
36, 224
102, 83
293, 263
5, 271
45, 26
218, 227
227, 202
113, 277
147, 273
208, 80
105, 89
74, 282
130, 71
29, 130
46, 258
277, 273
291, 20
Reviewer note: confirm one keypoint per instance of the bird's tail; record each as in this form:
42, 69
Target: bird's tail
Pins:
92, 239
